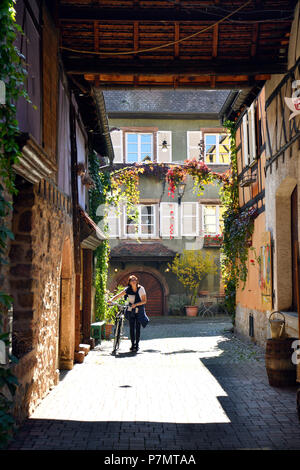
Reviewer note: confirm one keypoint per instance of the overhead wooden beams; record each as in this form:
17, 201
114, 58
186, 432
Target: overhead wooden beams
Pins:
116, 81
174, 43
169, 11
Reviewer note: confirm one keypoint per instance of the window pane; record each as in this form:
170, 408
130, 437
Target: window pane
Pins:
132, 138
146, 148
210, 221
132, 148
210, 139
146, 138
147, 229
132, 157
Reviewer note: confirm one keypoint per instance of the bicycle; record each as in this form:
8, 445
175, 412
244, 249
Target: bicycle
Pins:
119, 323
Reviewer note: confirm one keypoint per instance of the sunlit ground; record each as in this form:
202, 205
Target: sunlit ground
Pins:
165, 382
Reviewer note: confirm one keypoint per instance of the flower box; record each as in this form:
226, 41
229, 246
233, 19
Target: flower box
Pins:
213, 240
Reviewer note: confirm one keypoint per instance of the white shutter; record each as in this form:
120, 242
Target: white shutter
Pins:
251, 124
189, 219
168, 219
245, 139
193, 140
164, 157
117, 142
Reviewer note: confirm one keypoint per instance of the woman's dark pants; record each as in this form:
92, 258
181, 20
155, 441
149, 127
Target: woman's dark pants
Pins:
135, 330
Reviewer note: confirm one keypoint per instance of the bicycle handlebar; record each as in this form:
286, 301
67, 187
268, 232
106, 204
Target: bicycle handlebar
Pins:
117, 305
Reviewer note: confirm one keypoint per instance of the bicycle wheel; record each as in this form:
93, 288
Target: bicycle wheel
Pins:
117, 336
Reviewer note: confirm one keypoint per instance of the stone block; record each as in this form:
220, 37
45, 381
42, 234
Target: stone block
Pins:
85, 347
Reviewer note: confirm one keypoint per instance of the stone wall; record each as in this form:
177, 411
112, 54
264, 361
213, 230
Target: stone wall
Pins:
40, 225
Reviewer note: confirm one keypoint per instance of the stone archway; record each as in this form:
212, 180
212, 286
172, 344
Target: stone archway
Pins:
154, 283
67, 309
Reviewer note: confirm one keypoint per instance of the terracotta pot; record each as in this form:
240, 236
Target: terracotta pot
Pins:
191, 310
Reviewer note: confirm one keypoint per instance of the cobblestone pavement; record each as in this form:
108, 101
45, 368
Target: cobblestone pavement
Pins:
193, 385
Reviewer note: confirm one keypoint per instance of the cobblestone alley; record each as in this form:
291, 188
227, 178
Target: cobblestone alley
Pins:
193, 385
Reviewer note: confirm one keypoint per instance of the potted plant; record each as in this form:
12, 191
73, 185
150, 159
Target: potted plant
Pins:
191, 267
177, 304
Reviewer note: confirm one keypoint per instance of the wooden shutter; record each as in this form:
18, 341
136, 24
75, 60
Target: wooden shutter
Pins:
117, 141
245, 139
252, 137
193, 140
189, 219
164, 157
168, 219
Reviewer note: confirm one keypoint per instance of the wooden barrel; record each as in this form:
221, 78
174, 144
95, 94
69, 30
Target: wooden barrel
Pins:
280, 368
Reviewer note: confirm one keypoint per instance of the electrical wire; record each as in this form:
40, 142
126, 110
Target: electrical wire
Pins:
140, 51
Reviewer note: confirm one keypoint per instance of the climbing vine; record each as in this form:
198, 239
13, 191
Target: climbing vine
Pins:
238, 229
98, 194
12, 75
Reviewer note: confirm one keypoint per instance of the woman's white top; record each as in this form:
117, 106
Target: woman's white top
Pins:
131, 297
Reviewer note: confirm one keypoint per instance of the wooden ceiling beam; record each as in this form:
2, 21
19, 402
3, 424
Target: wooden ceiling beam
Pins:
176, 38
173, 13
254, 41
215, 41
95, 65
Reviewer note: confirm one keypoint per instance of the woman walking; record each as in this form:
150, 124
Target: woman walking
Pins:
136, 314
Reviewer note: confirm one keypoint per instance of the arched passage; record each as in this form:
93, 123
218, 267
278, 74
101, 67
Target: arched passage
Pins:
67, 309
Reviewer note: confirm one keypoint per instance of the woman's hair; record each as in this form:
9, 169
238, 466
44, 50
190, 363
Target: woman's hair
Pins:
132, 278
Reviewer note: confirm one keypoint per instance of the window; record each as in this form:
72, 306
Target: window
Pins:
189, 218
146, 222
212, 219
168, 219
217, 148
138, 147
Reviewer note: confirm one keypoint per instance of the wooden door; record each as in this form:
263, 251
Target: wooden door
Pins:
154, 291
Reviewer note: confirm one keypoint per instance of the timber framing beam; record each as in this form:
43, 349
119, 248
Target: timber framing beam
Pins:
177, 13
180, 68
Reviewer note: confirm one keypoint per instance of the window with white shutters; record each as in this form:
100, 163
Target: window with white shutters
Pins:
168, 219
189, 219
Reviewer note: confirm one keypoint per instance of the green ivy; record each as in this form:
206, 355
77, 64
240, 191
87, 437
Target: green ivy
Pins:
238, 229
97, 198
12, 73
